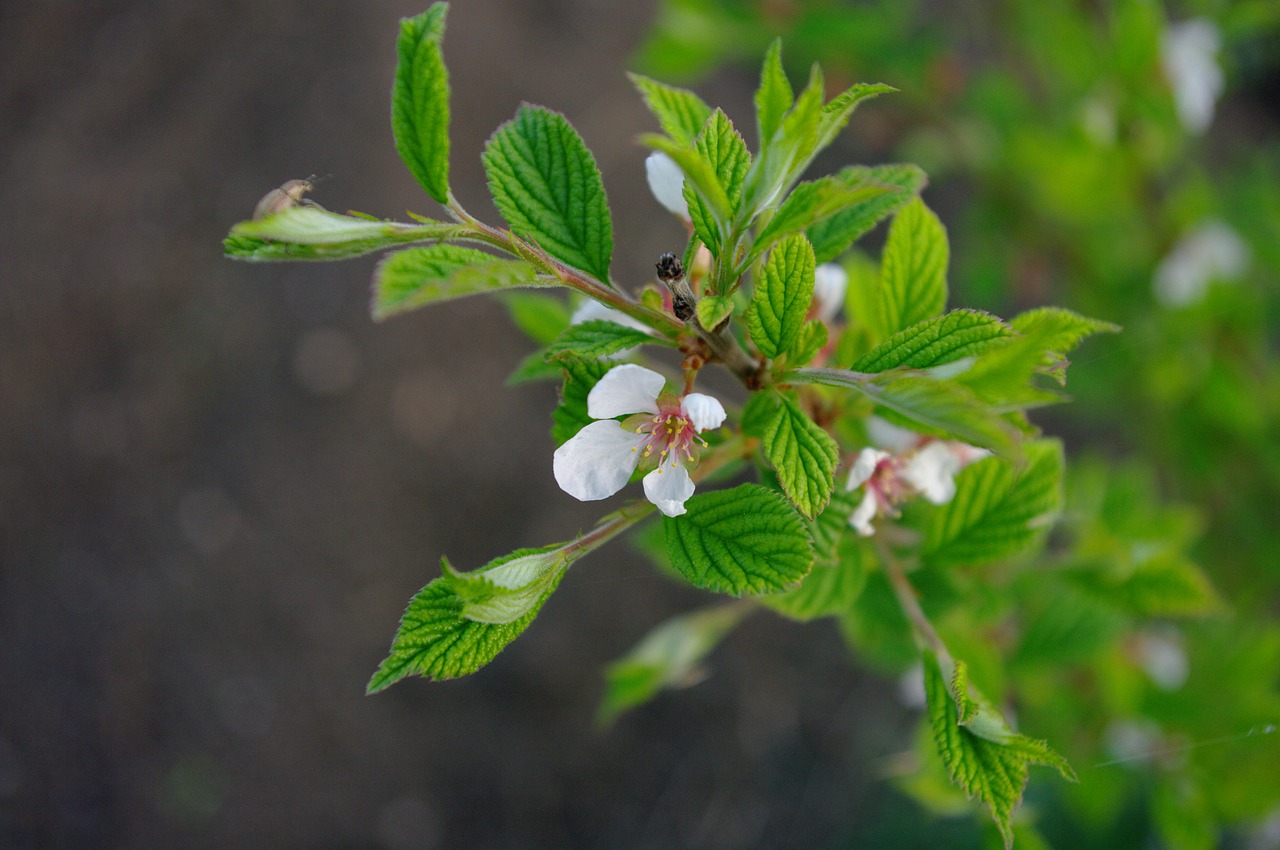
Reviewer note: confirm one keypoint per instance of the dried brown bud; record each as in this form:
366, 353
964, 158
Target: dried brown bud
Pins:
669, 268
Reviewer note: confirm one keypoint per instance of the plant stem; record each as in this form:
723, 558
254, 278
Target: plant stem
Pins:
926, 636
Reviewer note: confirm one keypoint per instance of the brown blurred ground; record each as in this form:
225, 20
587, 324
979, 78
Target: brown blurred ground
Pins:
221, 482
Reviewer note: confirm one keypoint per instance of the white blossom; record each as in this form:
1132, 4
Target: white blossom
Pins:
666, 181
1213, 252
1188, 52
598, 461
830, 281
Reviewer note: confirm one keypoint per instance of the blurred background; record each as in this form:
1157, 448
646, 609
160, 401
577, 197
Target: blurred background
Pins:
221, 482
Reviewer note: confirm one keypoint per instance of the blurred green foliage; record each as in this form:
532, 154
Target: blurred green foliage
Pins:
1067, 173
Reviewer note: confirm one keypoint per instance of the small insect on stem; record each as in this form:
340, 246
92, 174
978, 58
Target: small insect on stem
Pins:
288, 195
671, 273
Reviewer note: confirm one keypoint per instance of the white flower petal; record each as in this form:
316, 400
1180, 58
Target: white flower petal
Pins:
666, 181
863, 466
705, 412
596, 462
669, 487
890, 437
932, 471
862, 515
591, 310
1213, 252
1189, 55
830, 281
623, 390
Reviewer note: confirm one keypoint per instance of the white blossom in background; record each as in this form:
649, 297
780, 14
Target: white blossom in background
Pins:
1213, 252
666, 181
907, 465
1164, 660
598, 461
1189, 53
830, 281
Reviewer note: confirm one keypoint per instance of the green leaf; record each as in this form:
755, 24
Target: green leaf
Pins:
1163, 585
420, 101
597, 338
815, 200
1062, 330
437, 641
812, 339
745, 540
836, 114
311, 233
714, 309
542, 317
504, 592
785, 157
580, 375
774, 96
913, 271
983, 756
832, 236
699, 174
722, 147
999, 509
420, 276
934, 342
778, 306
830, 589
938, 408
680, 112
534, 368
546, 185
828, 530
804, 456
670, 656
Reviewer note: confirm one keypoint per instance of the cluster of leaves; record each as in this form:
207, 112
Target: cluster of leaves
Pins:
782, 541
1080, 178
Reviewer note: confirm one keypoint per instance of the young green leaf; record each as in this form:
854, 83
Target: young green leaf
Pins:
812, 339
597, 338
506, 591
745, 540
1163, 585
714, 309
419, 276
830, 589
420, 101
541, 316
534, 368
913, 271
722, 146
832, 236
437, 641
815, 200
1062, 330
580, 375
312, 233
545, 183
785, 157
836, 114
939, 408
699, 175
828, 530
982, 754
778, 306
999, 509
774, 96
680, 112
803, 455
934, 342
669, 656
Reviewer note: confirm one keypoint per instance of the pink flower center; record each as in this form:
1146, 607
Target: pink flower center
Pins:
668, 433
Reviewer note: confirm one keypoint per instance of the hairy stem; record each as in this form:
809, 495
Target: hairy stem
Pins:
926, 636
